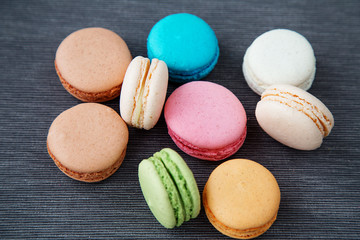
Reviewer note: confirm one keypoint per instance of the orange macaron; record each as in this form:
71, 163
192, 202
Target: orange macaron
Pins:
91, 64
88, 142
241, 198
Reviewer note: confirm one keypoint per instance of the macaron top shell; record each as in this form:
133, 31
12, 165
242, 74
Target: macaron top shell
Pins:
156, 194
88, 137
294, 117
205, 114
93, 59
175, 39
280, 56
242, 194
314, 108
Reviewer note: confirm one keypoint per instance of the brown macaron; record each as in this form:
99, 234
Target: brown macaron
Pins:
91, 64
88, 141
241, 198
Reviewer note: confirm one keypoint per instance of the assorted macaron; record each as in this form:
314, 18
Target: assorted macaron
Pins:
294, 117
241, 198
88, 142
91, 64
279, 56
205, 120
175, 38
143, 92
169, 188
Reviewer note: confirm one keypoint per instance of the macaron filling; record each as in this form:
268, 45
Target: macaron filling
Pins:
171, 189
142, 91
179, 181
208, 154
138, 109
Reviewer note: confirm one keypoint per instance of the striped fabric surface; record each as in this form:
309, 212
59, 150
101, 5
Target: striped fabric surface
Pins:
320, 189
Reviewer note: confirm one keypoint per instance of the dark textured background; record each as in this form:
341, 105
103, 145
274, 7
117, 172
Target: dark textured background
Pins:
320, 189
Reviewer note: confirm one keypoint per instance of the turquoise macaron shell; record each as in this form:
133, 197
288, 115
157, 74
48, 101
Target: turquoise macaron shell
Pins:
186, 43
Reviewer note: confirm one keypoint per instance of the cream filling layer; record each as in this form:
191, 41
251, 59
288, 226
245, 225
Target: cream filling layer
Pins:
142, 91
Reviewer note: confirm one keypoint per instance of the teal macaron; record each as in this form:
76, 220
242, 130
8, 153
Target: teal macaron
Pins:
169, 188
187, 44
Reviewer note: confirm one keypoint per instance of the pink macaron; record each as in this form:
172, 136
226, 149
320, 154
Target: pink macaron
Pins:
206, 120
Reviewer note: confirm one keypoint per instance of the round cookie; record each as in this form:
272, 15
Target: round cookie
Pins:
186, 43
88, 142
279, 56
205, 120
241, 198
91, 64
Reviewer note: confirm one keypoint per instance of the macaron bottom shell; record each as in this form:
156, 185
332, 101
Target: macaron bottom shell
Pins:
183, 77
88, 96
88, 177
235, 233
208, 154
257, 86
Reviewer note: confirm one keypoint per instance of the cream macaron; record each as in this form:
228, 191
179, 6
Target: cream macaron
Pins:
241, 198
88, 142
279, 56
143, 92
294, 117
91, 64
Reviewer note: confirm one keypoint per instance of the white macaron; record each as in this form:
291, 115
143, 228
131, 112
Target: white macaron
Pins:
279, 56
143, 92
294, 117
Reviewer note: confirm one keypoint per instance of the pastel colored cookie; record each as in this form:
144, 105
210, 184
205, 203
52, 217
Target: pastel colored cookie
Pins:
205, 120
241, 199
294, 117
91, 64
143, 92
279, 56
169, 188
186, 43
88, 142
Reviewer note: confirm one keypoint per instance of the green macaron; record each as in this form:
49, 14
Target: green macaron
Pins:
169, 188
